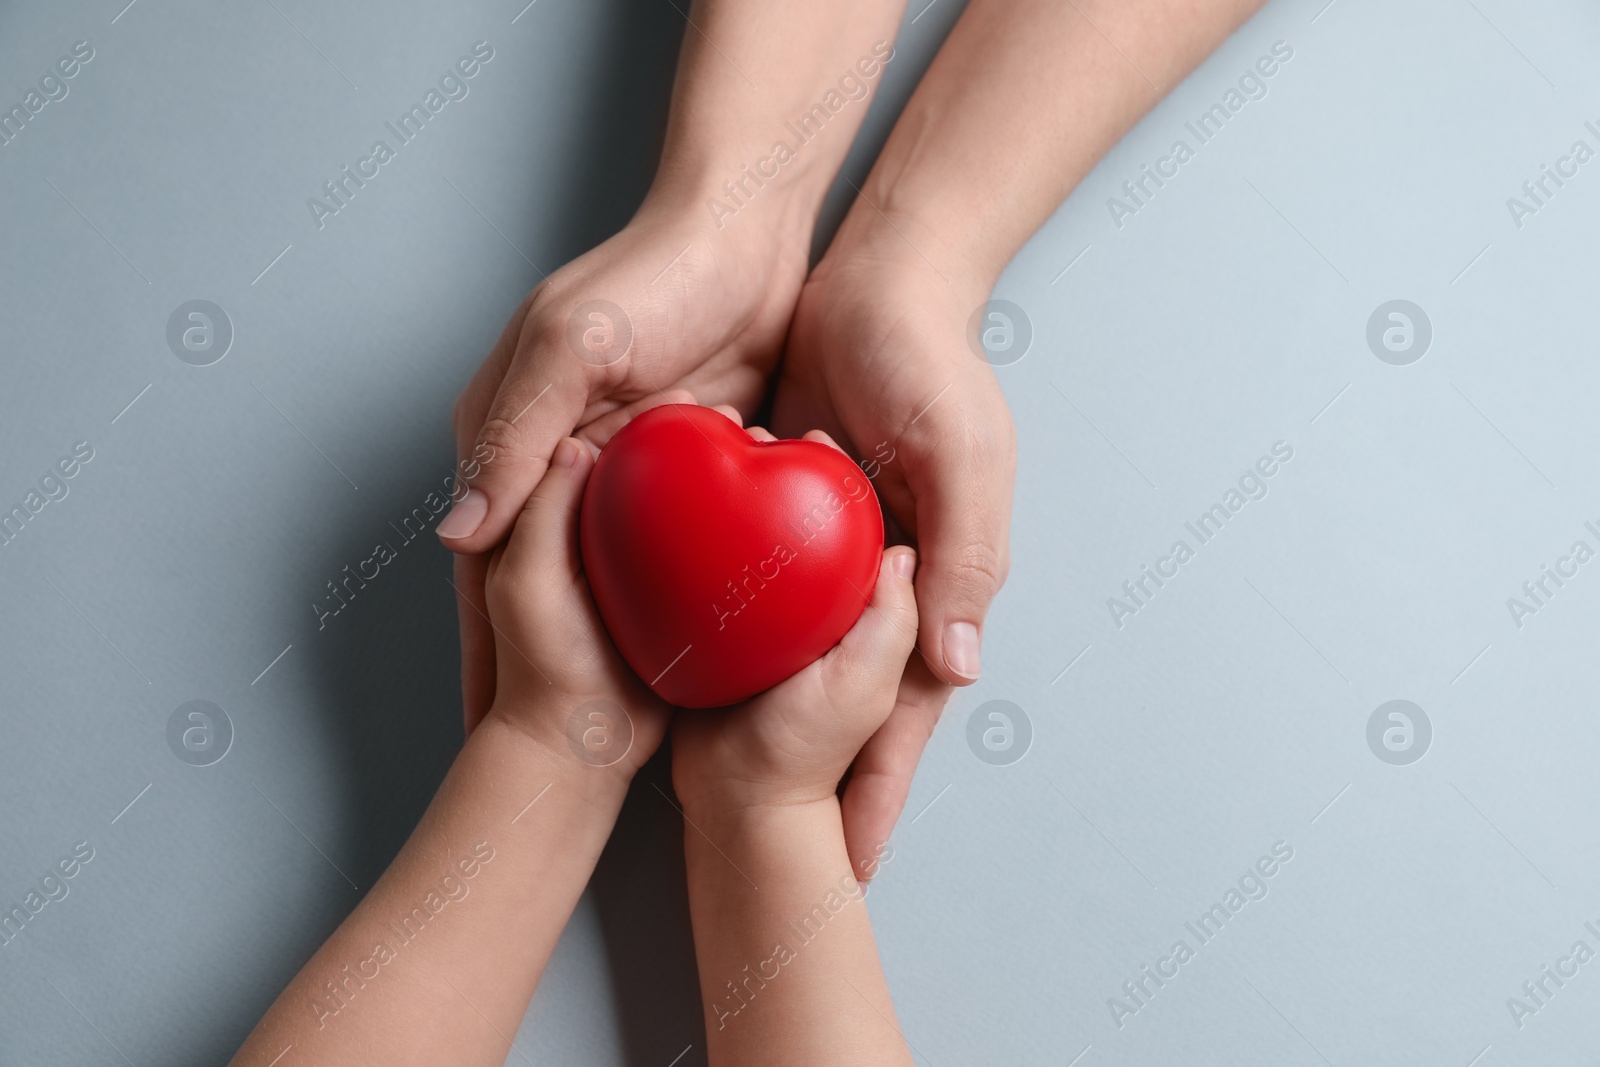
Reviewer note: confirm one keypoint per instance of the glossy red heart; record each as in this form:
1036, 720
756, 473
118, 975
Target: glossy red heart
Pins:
722, 565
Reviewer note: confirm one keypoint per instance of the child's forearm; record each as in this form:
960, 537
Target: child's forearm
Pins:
789, 972
438, 963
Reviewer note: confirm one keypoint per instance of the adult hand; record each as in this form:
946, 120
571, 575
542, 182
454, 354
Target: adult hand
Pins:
878, 357
687, 307
878, 354
706, 275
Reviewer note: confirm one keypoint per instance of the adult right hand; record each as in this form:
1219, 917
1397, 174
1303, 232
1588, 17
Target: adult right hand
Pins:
669, 307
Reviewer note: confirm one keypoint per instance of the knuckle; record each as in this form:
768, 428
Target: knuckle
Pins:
542, 330
979, 433
977, 572
499, 587
989, 433
559, 332
506, 584
499, 597
497, 438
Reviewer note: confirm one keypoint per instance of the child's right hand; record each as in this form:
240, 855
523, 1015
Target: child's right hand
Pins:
792, 744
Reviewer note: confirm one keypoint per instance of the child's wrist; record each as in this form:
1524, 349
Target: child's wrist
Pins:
537, 735
741, 810
758, 840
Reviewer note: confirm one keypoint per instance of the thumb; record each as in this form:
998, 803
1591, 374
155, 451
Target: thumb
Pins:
963, 515
880, 778
863, 670
539, 401
543, 553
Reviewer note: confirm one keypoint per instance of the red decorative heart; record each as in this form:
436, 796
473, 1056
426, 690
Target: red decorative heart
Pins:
721, 564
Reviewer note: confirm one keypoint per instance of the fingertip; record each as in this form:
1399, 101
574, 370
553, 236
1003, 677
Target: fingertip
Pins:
822, 438
960, 649
888, 627
731, 412
568, 449
597, 433
574, 456
545, 528
896, 594
761, 433
559, 491
902, 561
465, 517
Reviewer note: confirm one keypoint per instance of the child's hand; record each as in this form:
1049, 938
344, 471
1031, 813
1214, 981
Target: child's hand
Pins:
792, 744
557, 675
758, 783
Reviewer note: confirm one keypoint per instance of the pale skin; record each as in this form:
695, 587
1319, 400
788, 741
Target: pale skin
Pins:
1022, 100
789, 970
456, 991
438, 962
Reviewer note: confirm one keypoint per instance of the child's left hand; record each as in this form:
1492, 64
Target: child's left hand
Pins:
558, 677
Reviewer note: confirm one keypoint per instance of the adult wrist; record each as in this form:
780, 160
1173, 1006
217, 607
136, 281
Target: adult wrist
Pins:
721, 199
940, 212
918, 237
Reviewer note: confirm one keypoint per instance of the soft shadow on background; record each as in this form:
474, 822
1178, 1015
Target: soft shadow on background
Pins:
395, 677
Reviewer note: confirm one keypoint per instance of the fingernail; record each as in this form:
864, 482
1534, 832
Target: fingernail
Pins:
465, 518
904, 564
566, 453
961, 649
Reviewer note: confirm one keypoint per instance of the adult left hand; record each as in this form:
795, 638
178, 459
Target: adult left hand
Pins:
878, 357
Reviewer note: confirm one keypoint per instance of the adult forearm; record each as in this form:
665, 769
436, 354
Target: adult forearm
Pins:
789, 972
769, 95
463, 921
1021, 102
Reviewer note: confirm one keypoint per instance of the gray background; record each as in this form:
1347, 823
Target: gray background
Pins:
1230, 713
